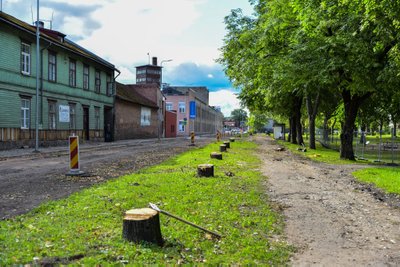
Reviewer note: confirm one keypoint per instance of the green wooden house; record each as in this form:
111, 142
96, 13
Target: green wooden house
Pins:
76, 88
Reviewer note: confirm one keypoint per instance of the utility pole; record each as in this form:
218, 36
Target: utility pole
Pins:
37, 77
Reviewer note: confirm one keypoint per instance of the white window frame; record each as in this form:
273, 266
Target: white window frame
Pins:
97, 117
52, 66
25, 113
25, 58
169, 106
182, 107
52, 115
72, 72
86, 77
145, 116
181, 126
97, 81
110, 86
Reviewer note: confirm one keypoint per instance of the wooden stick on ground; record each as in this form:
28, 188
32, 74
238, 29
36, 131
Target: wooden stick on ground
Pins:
154, 206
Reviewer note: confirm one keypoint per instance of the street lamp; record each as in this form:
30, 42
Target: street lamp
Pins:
161, 79
160, 109
37, 78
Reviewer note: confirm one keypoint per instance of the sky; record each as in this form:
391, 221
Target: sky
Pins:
127, 33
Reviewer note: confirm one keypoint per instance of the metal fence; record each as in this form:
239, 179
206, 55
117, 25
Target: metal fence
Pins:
371, 147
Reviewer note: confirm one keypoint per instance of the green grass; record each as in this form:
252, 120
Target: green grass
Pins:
320, 154
384, 178
86, 228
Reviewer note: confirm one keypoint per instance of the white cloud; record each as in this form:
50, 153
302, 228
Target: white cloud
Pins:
225, 99
123, 31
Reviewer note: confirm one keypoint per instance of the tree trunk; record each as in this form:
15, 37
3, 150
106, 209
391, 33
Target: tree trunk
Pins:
216, 155
312, 114
227, 144
142, 225
205, 170
326, 129
292, 130
222, 148
299, 128
351, 106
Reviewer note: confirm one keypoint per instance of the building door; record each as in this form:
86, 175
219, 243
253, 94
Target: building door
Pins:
86, 122
108, 124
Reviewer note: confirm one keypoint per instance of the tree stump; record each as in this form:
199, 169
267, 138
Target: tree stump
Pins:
232, 139
222, 148
142, 225
228, 144
216, 155
205, 170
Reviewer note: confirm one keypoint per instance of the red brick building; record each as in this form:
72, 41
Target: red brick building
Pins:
136, 116
170, 123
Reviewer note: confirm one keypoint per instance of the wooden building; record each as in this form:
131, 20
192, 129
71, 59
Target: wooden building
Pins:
76, 88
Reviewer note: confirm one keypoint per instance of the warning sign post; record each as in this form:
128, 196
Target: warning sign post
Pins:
74, 167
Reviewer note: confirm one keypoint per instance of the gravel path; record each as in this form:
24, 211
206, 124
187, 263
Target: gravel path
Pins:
329, 218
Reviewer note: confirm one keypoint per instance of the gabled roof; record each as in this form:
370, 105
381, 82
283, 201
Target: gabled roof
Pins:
128, 93
54, 37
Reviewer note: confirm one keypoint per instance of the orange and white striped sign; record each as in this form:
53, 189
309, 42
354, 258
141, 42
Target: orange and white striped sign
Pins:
74, 154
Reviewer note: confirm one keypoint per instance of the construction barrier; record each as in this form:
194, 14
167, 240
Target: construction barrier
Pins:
74, 155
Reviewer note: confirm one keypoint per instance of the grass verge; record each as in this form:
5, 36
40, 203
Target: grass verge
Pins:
320, 154
86, 228
384, 178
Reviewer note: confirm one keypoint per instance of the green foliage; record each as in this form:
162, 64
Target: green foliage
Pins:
86, 228
239, 116
292, 49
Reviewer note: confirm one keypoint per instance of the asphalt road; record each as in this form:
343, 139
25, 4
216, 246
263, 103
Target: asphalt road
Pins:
29, 178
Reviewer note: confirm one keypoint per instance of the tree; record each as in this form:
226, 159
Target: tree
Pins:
239, 116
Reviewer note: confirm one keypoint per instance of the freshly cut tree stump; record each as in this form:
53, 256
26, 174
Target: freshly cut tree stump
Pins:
228, 144
222, 148
216, 155
205, 170
232, 139
142, 225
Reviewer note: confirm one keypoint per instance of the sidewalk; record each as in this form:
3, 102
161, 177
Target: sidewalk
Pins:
19, 152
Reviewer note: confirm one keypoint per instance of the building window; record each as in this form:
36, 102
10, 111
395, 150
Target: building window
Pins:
25, 113
97, 117
168, 106
182, 107
110, 85
145, 116
85, 77
25, 58
52, 115
72, 73
182, 125
72, 116
97, 81
52, 66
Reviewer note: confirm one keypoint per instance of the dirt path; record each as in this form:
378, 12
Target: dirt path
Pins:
329, 219
26, 181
